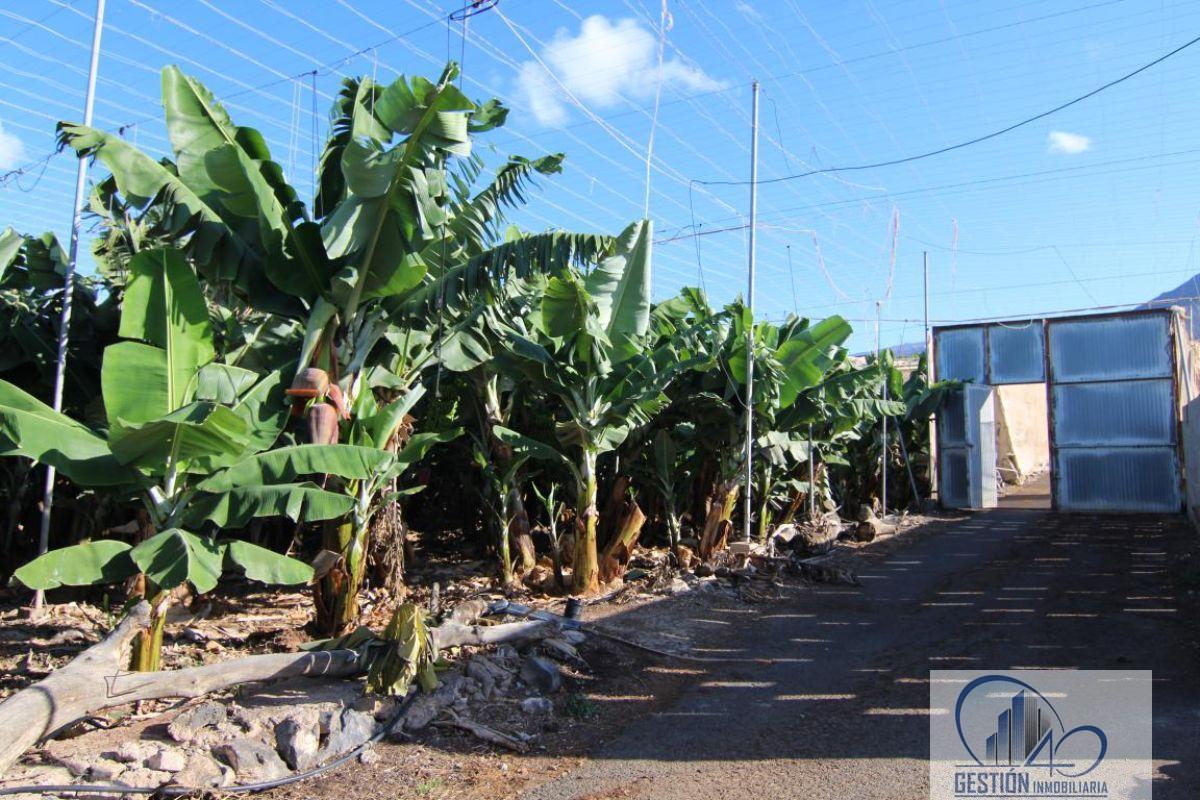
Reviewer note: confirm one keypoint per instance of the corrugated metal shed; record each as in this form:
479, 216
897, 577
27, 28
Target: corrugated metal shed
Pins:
1113, 399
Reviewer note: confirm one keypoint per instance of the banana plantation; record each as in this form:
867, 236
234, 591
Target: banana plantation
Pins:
284, 390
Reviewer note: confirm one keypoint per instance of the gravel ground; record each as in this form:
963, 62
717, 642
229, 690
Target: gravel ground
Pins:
840, 710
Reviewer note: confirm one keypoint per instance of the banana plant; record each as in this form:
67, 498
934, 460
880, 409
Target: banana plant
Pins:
395, 231
589, 350
179, 425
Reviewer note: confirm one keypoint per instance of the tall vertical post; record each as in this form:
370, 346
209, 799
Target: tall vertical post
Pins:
64, 323
883, 439
812, 478
933, 487
747, 503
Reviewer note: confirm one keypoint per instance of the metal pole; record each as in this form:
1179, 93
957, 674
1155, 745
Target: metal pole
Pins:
746, 501
933, 490
64, 323
812, 479
884, 436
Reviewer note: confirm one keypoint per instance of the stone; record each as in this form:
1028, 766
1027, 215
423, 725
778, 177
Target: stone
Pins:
78, 766
703, 570
134, 752
423, 710
143, 778
426, 707
541, 674
484, 671
168, 759
251, 760
297, 741
347, 730
574, 637
368, 756
104, 769
678, 586
201, 772
190, 722
381, 708
537, 706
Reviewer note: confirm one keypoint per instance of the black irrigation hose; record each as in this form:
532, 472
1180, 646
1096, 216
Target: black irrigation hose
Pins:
245, 788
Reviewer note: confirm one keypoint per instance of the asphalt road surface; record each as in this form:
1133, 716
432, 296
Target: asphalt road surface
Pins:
842, 711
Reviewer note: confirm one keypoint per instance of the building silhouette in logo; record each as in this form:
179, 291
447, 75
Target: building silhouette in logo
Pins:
1019, 730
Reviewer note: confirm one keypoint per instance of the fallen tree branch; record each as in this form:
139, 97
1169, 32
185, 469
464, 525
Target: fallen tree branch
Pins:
98, 678
481, 731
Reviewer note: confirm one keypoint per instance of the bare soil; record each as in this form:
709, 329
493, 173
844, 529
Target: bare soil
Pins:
808, 690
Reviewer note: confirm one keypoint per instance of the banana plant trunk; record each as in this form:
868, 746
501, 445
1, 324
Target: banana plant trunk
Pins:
764, 506
719, 522
146, 651
518, 531
336, 593
586, 574
504, 541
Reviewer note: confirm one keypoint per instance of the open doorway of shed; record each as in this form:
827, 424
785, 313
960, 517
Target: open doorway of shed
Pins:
1022, 446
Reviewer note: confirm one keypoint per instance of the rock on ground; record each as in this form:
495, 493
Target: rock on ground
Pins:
347, 730
167, 759
190, 722
141, 777
252, 760
297, 739
541, 674
201, 772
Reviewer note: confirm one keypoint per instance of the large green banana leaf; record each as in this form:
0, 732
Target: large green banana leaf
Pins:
287, 463
32, 429
101, 561
141, 180
231, 169
806, 356
165, 306
300, 502
175, 556
620, 286
390, 207
140, 383
190, 434
266, 566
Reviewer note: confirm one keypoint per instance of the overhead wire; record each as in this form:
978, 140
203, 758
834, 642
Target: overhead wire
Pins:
977, 139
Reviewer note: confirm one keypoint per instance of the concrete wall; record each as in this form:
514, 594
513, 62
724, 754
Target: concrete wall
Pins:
1022, 437
1189, 401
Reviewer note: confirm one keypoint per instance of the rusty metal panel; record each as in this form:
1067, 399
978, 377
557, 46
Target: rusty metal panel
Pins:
1016, 353
1141, 479
1111, 348
960, 354
1114, 413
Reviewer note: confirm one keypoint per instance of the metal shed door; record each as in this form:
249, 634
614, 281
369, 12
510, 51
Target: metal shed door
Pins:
967, 448
1113, 414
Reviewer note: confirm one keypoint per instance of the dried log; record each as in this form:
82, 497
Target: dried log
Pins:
482, 731
868, 530
718, 524
620, 549
98, 679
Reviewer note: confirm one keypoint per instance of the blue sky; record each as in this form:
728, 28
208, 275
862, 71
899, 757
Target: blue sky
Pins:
1097, 205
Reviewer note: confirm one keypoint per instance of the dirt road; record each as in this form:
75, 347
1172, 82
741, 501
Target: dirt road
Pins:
841, 711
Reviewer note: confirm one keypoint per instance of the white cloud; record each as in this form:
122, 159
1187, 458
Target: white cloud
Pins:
601, 64
12, 150
1068, 143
